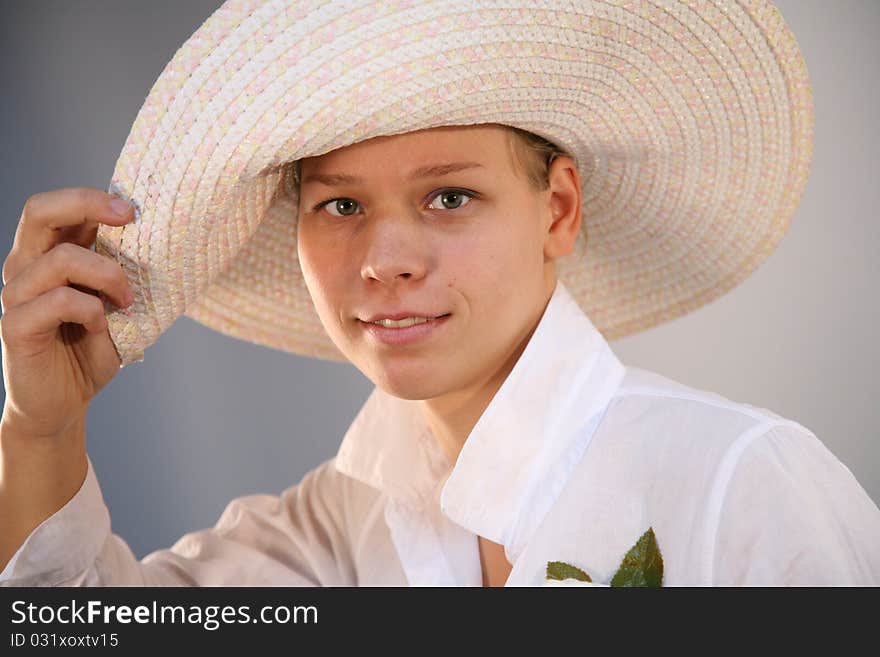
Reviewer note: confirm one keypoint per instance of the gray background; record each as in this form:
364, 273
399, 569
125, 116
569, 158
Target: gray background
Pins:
206, 418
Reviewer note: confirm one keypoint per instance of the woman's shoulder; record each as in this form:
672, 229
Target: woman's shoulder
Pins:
662, 423
661, 400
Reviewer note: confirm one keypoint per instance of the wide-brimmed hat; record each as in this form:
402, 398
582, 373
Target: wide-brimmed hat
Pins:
691, 123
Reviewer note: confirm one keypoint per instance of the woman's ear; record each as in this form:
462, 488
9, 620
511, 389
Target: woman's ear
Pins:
565, 208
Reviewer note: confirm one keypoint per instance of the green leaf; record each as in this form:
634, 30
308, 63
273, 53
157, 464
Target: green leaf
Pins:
562, 570
642, 565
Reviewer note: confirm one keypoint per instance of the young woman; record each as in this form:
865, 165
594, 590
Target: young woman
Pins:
435, 194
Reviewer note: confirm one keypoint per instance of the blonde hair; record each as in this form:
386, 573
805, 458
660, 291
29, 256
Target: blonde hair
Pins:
531, 155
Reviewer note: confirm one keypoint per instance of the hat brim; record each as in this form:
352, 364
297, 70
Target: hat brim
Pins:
691, 123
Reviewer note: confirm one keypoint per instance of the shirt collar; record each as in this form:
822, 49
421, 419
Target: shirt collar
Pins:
520, 453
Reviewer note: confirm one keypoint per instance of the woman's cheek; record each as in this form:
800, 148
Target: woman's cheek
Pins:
317, 259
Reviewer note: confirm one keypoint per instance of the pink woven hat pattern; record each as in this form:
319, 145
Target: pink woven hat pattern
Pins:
691, 123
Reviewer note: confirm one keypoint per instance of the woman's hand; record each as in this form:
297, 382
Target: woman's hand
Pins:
57, 351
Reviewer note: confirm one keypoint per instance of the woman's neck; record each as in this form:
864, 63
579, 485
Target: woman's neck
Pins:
453, 416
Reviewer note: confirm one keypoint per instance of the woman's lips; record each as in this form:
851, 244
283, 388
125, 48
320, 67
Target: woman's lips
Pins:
406, 335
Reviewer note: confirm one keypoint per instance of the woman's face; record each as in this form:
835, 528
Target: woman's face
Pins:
436, 223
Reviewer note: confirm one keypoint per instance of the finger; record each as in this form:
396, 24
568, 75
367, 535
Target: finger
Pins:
68, 264
83, 235
47, 216
42, 316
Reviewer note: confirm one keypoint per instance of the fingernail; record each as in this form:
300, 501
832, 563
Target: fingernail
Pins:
120, 207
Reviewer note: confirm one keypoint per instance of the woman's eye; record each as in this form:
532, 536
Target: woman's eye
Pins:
343, 207
451, 199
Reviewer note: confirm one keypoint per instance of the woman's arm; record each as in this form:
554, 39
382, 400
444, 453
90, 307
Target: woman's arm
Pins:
295, 539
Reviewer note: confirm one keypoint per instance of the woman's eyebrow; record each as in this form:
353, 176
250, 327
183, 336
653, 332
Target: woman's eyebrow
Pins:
432, 170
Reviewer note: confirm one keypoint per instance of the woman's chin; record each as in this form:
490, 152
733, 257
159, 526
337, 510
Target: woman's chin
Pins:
412, 375
415, 384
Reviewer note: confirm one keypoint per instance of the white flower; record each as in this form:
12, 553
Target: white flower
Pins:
571, 581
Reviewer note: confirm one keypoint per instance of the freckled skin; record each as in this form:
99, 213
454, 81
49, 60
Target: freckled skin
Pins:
488, 262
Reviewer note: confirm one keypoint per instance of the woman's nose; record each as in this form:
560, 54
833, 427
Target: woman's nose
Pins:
395, 248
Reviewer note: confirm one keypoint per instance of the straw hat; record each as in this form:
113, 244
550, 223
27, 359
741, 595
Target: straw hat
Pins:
691, 123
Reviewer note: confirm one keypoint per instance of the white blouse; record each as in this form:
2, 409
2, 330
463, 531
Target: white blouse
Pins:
573, 460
